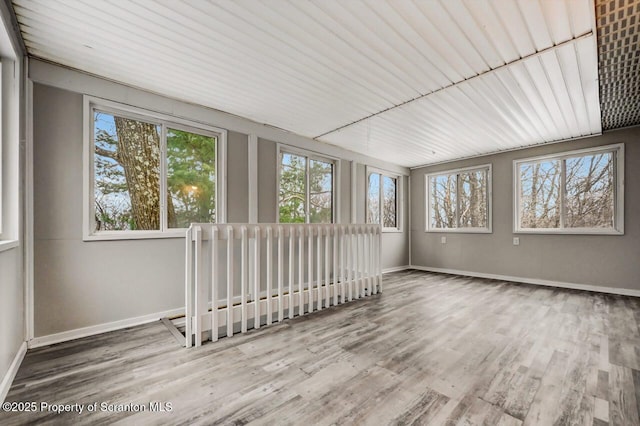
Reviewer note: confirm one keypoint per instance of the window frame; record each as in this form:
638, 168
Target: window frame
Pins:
399, 197
10, 80
2, 150
467, 230
618, 169
92, 104
310, 155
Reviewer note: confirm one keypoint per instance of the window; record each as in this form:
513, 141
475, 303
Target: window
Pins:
1, 150
459, 200
306, 188
151, 174
574, 192
10, 79
383, 204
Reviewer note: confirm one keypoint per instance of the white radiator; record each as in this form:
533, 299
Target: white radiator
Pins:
250, 275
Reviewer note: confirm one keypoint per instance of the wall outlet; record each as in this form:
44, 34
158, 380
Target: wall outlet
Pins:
516, 241
443, 240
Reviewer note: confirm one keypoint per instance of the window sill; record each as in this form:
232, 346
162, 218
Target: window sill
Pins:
569, 231
134, 235
392, 231
460, 231
8, 245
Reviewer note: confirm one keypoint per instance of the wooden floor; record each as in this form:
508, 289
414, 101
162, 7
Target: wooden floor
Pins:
432, 349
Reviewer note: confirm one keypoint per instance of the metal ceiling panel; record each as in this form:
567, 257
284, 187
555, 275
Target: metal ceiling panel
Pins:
619, 56
399, 80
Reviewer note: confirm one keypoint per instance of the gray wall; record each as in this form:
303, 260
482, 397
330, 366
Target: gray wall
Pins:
267, 176
85, 283
601, 260
78, 283
11, 307
238, 178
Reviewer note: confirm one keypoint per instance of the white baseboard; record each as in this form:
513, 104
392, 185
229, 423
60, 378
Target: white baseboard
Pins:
535, 281
396, 269
100, 328
7, 380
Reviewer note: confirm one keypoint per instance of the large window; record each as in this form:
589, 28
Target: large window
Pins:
574, 192
306, 188
459, 200
383, 204
151, 174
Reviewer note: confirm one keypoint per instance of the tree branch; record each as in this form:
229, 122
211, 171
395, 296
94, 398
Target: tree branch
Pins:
106, 153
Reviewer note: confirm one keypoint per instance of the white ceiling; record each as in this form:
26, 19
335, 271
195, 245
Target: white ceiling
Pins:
410, 82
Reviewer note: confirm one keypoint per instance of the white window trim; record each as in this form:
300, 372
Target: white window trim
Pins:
8, 244
2, 158
312, 156
10, 80
91, 103
489, 228
399, 197
618, 167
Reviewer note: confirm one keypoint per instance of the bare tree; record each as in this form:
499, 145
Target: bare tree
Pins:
390, 202
540, 194
587, 195
589, 191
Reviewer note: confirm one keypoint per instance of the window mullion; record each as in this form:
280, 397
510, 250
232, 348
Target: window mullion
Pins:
486, 198
518, 196
458, 201
562, 192
334, 213
92, 175
164, 225
398, 194
307, 189
614, 159
380, 199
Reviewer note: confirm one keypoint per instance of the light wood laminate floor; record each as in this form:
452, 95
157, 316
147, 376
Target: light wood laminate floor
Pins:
432, 349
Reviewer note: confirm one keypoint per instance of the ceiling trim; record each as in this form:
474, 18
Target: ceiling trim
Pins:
10, 22
574, 40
